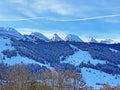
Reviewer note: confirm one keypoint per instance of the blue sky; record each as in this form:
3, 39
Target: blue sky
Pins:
97, 18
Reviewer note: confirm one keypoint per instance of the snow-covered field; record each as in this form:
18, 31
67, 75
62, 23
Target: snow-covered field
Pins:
113, 50
18, 60
81, 56
5, 44
92, 77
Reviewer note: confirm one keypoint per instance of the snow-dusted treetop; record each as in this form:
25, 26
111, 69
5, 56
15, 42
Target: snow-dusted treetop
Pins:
92, 40
71, 37
108, 41
8, 31
40, 36
56, 38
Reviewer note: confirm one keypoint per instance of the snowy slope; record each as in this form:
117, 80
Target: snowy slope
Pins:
71, 37
18, 60
56, 38
40, 36
5, 44
81, 56
108, 41
92, 77
8, 31
28, 38
92, 40
113, 50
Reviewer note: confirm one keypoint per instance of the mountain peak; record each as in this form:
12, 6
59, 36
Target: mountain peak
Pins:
10, 32
39, 36
72, 37
92, 40
56, 38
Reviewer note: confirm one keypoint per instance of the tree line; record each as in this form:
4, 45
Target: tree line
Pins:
18, 77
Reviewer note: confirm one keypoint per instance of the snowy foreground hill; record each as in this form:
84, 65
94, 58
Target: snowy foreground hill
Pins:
98, 63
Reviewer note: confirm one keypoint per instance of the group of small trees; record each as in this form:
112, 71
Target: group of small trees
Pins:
108, 87
17, 77
60, 80
108, 67
9, 53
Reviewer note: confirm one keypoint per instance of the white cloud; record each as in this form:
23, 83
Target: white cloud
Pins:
54, 6
33, 8
50, 9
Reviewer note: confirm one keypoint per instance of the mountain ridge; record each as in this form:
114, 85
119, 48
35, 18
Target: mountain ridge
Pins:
85, 58
9, 31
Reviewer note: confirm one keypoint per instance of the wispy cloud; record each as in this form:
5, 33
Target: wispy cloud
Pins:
90, 18
34, 8
54, 10
63, 20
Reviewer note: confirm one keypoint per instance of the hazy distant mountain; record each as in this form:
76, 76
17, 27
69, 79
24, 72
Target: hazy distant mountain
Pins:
108, 41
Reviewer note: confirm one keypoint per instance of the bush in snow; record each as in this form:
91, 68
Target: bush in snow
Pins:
9, 53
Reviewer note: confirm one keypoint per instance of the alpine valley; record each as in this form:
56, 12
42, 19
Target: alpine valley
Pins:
99, 62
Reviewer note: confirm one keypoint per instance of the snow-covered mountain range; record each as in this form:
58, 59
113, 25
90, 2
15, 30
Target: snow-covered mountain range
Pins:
108, 41
11, 32
98, 63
